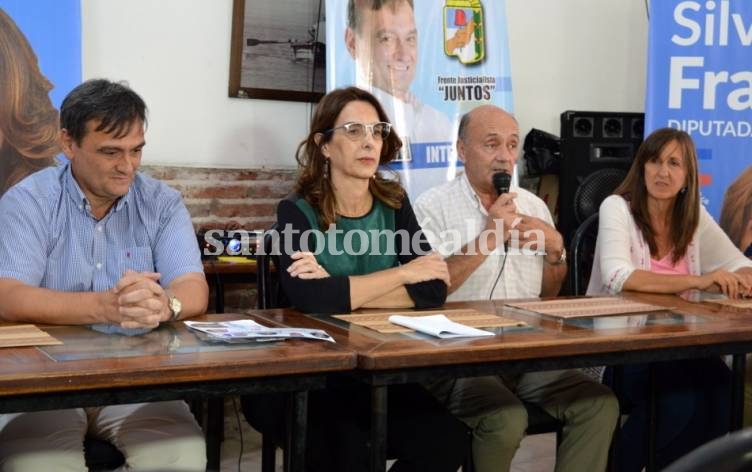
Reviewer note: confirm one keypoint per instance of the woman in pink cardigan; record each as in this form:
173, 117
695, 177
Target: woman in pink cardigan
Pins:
655, 236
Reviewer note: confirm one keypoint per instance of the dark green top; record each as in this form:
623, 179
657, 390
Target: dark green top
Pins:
368, 248
298, 231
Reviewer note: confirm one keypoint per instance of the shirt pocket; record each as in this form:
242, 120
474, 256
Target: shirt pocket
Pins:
138, 259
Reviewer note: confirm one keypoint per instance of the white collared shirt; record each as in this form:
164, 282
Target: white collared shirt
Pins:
454, 208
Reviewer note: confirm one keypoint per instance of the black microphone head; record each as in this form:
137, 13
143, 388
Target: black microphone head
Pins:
501, 182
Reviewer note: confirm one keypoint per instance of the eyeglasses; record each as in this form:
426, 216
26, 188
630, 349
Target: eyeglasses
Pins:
357, 131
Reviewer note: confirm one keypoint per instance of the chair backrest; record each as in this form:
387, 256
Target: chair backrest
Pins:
729, 453
267, 282
593, 190
581, 254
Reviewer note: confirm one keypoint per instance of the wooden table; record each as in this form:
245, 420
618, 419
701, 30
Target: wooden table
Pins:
689, 330
169, 363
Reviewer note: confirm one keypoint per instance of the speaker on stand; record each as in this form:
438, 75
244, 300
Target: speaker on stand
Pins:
597, 149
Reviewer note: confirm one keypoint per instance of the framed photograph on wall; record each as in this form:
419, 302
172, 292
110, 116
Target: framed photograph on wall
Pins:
278, 50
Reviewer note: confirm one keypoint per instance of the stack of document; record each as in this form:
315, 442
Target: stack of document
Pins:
438, 325
249, 330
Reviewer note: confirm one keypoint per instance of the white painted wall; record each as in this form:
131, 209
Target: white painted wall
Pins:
565, 55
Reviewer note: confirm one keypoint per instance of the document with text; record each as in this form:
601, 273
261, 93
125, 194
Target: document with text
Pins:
249, 330
438, 325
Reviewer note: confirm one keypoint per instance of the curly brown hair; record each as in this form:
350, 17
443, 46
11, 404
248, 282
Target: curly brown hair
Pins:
685, 216
314, 184
28, 120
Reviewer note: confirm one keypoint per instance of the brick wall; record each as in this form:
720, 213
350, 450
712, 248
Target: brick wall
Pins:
216, 197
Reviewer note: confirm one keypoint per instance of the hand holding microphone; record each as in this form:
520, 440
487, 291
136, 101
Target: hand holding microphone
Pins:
503, 212
501, 182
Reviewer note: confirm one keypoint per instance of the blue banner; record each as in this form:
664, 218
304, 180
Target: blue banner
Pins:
428, 62
700, 81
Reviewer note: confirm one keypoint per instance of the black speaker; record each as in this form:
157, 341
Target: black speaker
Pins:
597, 149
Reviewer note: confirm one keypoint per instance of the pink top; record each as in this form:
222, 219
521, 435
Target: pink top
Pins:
665, 266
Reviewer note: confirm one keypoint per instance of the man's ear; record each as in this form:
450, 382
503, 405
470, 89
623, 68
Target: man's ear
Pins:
350, 41
460, 150
66, 143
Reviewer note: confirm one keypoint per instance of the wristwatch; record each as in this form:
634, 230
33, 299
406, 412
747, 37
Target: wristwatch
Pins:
562, 259
175, 306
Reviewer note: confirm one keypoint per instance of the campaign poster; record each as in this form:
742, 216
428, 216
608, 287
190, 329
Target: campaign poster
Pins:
428, 62
40, 62
53, 28
700, 81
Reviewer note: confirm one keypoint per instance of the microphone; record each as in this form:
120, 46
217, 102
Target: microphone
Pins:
501, 182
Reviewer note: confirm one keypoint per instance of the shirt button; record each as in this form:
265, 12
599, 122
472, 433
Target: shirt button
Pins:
99, 265
99, 228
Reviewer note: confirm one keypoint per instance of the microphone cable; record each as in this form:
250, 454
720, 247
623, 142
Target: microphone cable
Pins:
503, 264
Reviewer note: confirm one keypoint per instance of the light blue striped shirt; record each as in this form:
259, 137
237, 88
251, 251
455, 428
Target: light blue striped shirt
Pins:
50, 238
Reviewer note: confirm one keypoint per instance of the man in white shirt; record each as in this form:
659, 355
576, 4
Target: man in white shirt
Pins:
382, 38
509, 248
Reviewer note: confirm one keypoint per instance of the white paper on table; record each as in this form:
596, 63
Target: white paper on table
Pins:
438, 325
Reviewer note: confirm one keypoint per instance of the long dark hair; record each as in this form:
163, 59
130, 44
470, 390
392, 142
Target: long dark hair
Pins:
685, 215
314, 184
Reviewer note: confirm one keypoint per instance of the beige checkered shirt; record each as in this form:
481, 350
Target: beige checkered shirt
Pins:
454, 206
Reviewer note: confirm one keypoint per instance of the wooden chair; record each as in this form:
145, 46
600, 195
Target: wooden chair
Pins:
581, 254
267, 296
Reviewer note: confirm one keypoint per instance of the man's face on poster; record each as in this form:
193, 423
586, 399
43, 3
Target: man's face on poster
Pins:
385, 47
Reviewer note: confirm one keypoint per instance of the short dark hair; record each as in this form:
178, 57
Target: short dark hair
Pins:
354, 8
113, 104
462, 129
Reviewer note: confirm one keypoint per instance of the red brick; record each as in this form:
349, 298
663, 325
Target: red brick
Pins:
197, 208
160, 172
215, 197
277, 190
213, 190
227, 209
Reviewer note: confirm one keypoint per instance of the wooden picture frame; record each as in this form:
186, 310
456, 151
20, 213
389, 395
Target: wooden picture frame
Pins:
278, 50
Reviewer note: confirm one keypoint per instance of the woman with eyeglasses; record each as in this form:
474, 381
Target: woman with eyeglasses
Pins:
655, 236
348, 240
340, 184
